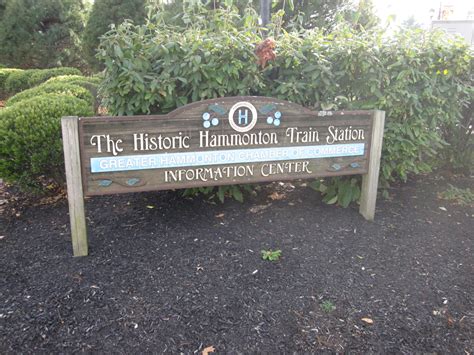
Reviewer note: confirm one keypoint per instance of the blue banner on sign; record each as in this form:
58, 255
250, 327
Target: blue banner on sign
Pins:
217, 157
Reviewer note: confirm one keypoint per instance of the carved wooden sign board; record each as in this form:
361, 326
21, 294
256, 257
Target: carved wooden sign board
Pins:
234, 140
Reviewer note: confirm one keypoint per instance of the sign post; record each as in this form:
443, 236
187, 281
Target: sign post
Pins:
75, 196
370, 180
235, 140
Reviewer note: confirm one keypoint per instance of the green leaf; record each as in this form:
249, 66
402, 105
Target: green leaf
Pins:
237, 194
221, 193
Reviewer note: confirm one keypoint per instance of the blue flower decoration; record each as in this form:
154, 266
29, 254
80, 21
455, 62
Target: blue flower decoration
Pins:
207, 121
275, 119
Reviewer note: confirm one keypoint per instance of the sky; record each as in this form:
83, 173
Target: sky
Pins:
420, 9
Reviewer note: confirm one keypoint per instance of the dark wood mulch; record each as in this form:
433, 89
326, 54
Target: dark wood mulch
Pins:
167, 274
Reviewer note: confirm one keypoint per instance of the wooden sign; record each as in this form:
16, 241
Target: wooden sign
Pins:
235, 140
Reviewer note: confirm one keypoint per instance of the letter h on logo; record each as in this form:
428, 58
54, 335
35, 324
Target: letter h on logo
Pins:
243, 118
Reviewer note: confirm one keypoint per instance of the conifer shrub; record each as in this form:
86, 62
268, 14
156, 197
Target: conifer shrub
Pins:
103, 14
42, 33
30, 144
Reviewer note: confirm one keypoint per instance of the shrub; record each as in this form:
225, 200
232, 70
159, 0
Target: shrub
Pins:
4, 74
419, 78
103, 14
18, 81
157, 70
22, 80
30, 144
40, 76
75, 79
41, 33
53, 88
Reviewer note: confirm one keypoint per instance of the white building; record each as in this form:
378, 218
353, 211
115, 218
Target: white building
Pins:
465, 28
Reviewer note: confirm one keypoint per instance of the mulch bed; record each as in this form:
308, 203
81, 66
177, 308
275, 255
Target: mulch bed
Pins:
168, 274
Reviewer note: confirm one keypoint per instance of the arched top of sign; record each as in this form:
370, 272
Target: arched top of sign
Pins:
221, 107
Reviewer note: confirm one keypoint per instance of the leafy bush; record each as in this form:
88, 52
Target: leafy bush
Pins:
103, 14
31, 147
53, 88
338, 190
22, 80
41, 33
4, 74
157, 70
419, 78
221, 192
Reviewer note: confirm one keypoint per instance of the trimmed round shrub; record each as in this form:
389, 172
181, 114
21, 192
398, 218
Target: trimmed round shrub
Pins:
4, 74
30, 144
53, 88
75, 79
40, 76
19, 81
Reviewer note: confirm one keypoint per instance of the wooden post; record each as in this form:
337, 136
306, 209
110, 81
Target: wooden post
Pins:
371, 179
75, 196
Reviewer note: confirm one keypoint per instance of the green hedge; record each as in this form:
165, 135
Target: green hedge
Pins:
53, 88
75, 79
31, 147
4, 74
41, 76
19, 81
421, 79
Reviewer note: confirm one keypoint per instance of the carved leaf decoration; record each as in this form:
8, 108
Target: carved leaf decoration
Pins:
105, 183
217, 109
132, 181
266, 109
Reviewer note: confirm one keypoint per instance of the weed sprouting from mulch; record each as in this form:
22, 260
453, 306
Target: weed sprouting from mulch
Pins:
327, 306
464, 197
271, 255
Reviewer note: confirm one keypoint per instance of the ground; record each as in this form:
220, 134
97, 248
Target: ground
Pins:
169, 274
